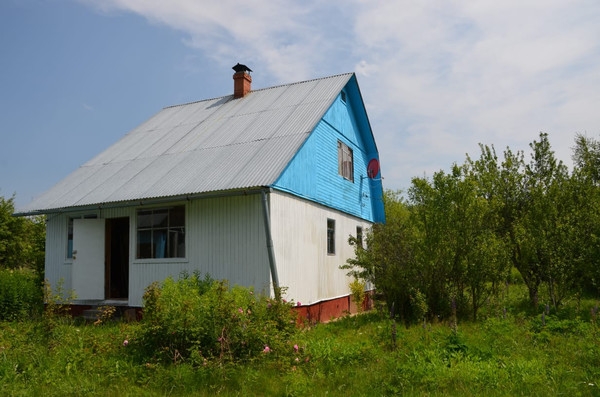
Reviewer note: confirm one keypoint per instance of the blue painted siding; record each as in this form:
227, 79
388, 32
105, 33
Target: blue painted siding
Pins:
313, 173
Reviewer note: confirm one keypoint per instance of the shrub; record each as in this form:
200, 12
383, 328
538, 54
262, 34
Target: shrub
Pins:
20, 294
198, 319
357, 292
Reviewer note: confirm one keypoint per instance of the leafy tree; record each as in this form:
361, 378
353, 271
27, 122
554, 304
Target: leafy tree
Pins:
545, 180
459, 233
585, 212
586, 158
22, 240
388, 261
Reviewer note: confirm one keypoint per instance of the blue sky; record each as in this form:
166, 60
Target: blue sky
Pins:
437, 77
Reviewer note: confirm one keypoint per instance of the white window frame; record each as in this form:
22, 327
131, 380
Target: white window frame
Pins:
330, 236
172, 231
345, 161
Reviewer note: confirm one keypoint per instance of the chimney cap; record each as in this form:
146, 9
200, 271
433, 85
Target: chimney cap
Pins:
241, 68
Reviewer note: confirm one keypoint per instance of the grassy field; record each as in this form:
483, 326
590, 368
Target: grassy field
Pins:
504, 354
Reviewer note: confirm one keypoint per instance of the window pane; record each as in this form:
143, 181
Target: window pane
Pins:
177, 215
70, 239
144, 244
330, 236
176, 243
345, 161
160, 218
144, 219
159, 238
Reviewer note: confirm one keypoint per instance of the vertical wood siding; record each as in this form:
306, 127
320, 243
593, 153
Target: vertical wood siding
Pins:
313, 173
224, 237
299, 230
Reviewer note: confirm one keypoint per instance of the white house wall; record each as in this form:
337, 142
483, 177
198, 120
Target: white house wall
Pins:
299, 229
224, 237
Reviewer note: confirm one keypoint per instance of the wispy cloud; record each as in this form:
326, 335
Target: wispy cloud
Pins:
438, 76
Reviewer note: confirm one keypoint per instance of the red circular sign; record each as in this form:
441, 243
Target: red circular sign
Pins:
373, 168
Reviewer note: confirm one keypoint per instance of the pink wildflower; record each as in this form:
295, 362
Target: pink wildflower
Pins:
295, 348
125, 342
267, 349
298, 304
241, 310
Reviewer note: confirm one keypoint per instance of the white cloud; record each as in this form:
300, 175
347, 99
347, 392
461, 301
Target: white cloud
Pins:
438, 77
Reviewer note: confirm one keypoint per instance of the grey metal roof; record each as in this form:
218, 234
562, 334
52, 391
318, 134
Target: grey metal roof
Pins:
212, 145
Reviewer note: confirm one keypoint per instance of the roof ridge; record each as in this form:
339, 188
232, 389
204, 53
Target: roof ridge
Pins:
261, 89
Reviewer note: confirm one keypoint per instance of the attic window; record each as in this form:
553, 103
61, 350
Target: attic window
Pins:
345, 161
161, 233
343, 96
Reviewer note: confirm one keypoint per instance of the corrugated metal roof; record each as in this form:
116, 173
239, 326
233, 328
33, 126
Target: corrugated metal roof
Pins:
212, 145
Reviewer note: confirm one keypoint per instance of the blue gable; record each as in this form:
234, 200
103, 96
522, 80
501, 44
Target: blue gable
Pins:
313, 172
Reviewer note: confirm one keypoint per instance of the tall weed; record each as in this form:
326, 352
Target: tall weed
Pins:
20, 294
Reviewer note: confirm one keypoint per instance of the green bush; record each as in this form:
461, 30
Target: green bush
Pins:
197, 319
20, 294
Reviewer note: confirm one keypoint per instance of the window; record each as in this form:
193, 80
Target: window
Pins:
359, 236
70, 239
330, 236
343, 96
345, 161
161, 233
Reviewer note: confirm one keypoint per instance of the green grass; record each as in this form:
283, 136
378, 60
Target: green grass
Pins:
508, 354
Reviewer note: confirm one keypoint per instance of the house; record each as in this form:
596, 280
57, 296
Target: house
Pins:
262, 188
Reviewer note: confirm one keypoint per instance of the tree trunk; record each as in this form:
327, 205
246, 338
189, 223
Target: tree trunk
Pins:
533, 294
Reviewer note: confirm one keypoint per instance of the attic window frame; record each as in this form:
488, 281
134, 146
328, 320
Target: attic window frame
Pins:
345, 161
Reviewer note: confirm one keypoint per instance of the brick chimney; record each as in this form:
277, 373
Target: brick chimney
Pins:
242, 81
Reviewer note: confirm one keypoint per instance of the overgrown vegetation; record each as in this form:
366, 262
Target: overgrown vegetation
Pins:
22, 239
198, 319
449, 246
20, 294
504, 353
